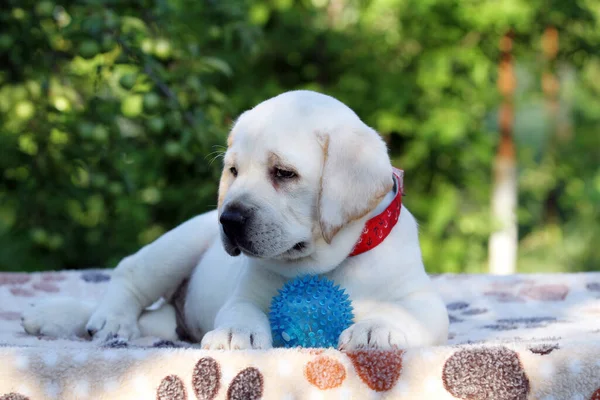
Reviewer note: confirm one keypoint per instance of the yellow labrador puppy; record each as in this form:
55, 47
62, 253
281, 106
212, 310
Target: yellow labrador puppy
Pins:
307, 188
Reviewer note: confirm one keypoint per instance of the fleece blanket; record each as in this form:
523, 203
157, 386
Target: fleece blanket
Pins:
511, 337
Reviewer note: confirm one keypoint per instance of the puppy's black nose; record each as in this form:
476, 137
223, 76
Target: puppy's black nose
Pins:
233, 219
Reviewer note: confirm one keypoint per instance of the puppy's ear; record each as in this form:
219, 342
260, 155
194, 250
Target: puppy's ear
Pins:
357, 174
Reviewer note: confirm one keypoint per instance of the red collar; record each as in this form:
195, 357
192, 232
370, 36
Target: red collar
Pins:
379, 227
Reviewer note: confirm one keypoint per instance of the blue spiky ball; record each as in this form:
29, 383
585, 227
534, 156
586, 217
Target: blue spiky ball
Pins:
309, 311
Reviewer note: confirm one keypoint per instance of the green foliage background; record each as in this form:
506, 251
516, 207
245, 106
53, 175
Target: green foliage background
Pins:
111, 113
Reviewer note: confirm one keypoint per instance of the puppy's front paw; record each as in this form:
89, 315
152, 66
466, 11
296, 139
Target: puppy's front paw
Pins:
372, 335
105, 326
236, 339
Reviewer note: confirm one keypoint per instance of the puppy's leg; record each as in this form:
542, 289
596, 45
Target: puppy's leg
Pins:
153, 272
60, 317
66, 317
161, 323
242, 323
418, 320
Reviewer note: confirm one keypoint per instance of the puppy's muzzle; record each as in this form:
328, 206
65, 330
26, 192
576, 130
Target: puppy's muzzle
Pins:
234, 220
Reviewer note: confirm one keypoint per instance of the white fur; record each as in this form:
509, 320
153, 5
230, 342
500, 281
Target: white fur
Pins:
58, 316
342, 166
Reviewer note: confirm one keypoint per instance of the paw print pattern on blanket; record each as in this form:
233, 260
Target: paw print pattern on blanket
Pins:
206, 381
95, 277
379, 370
476, 373
47, 283
544, 349
247, 385
325, 373
523, 336
14, 278
13, 396
171, 388
485, 374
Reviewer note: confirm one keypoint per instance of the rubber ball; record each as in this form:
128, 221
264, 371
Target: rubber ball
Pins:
309, 311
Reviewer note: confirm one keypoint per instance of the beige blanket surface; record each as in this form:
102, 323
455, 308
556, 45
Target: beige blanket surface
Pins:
511, 337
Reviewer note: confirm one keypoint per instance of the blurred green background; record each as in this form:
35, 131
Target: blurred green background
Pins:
112, 112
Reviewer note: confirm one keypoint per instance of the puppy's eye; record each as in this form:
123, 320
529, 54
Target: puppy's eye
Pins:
233, 171
284, 174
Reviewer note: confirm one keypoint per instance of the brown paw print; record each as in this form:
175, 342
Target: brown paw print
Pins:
22, 292
311, 351
504, 297
485, 373
47, 287
593, 286
325, 373
555, 292
247, 385
10, 315
206, 379
171, 388
544, 349
53, 277
379, 369
13, 396
9, 278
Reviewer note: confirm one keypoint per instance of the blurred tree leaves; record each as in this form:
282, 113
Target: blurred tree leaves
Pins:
107, 112
110, 112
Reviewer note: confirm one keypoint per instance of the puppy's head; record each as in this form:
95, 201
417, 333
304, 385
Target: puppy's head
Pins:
299, 168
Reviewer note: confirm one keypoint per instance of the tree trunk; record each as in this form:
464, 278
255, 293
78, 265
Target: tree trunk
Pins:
503, 242
559, 127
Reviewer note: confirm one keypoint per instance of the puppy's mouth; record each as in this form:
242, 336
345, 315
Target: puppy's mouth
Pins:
300, 246
231, 248
296, 251
293, 252
235, 249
